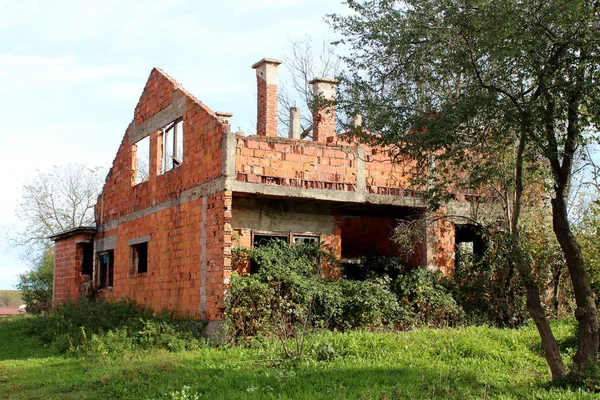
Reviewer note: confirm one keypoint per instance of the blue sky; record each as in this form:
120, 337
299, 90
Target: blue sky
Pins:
71, 73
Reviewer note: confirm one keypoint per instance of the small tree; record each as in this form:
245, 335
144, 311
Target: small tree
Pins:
36, 284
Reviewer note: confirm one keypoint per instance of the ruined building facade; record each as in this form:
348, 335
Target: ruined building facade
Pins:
184, 190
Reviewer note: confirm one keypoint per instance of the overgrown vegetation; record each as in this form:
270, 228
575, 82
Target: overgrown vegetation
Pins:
36, 284
97, 328
289, 293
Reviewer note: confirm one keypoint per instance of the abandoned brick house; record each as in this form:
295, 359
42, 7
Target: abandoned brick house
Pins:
184, 190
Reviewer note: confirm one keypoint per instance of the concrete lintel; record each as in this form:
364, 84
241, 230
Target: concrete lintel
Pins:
159, 120
143, 239
402, 201
106, 243
295, 192
460, 212
72, 232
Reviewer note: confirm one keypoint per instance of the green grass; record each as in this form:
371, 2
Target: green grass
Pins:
471, 363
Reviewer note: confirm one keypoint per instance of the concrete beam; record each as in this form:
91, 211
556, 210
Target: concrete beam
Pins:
159, 120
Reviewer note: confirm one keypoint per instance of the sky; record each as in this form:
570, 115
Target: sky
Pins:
71, 73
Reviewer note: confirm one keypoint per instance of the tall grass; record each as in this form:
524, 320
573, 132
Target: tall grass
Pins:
457, 363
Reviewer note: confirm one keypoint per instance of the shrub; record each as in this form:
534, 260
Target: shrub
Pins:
101, 328
426, 300
288, 290
488, 288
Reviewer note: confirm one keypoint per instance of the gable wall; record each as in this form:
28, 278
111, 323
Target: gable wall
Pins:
182, 212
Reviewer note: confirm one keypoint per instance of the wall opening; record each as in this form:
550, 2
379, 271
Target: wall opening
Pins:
469, 243
139, 257
87, 263
106, 261
172, 155
141, 161
260, 239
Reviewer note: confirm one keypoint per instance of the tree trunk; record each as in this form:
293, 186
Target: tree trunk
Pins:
586, 313
551, 350
534, 303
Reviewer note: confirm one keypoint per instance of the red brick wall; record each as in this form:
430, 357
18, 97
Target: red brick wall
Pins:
442, 236
309, 164
386, 177
179, 259
300, 163
324, 124
67, 268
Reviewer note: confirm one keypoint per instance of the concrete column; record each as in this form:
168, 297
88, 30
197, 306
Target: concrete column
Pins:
294, 123
267, 81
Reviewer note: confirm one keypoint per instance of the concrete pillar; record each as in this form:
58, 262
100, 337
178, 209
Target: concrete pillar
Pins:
294, 123
266, 80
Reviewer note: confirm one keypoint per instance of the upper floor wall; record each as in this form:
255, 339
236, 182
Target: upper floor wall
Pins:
174, 143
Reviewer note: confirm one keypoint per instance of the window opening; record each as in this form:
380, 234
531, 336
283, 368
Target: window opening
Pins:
105, 269
141, 167
306, 239
172, 155
262, 239
139, 257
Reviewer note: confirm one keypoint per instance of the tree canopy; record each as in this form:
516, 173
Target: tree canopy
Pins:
470, 84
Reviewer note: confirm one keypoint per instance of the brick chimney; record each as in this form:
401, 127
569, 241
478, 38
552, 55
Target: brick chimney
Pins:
266, 79
324, 90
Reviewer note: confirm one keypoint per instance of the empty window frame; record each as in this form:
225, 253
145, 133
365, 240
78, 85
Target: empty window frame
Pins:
306, 239
141, 161
260, 239
172, 136
106, 261
139, 258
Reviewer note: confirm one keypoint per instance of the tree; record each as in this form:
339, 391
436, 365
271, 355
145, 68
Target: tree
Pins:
454, 84
53, 202
303, 63
36, 284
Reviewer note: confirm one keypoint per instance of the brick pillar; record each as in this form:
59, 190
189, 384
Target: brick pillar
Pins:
324, 91
266, 79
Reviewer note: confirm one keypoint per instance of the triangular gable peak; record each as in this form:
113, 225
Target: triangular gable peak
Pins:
162, 103
157, 95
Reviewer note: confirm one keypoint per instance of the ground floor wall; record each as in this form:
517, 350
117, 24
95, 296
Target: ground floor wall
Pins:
188, 257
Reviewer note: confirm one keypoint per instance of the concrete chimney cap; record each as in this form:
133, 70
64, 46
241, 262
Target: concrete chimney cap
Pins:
223, 114
324, 80
266, 61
